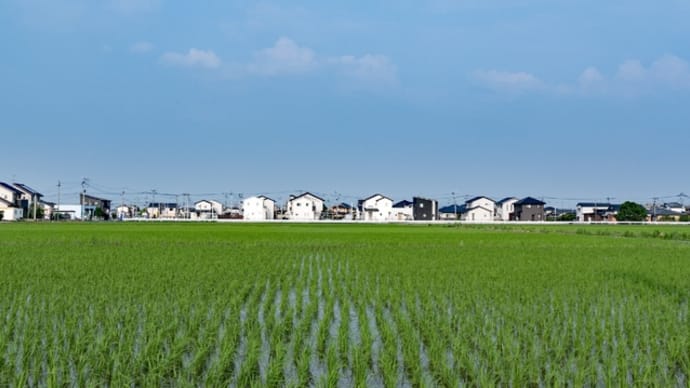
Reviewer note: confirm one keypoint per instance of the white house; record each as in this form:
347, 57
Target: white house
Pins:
72, 212
479, 209
208, 208
304, 207
9, 202
376, 208
258, 208
403, 211
505, 209
593, 211
161, 210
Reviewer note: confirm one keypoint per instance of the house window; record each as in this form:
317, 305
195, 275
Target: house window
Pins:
421, 205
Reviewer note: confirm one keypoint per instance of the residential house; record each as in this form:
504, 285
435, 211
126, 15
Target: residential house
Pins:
161, 210
29, 199
661, 213
403, 211
304, 207
342, 211
424, 209
676, 207
9, 202
258, 208
505, 209
479, 209
450, 212
529, 209
126, 211
596, 211
90, 203
377, 207
208, 209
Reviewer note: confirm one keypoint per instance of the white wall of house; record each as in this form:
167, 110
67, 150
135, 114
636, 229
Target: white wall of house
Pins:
258, 208
377, 208
11, 213
7, 195
74, 212
586, 213
209, 206
403, 213
478, 214
304, 208
504, 210
480, 209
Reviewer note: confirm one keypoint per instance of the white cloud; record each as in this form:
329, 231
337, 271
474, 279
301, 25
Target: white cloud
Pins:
141, 47
672, 71
632, 78
367, 68
508, 81
591, 76
193, 58
285, 57
631, 70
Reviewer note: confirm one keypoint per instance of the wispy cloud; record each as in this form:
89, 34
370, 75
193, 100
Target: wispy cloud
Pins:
284, 57
514, 82
631, 78
367, 68
141, 47
193, 58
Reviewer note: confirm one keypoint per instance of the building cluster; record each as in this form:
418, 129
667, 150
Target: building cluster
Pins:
19, 201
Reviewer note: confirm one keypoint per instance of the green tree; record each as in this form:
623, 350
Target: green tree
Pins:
631, 211
39, 212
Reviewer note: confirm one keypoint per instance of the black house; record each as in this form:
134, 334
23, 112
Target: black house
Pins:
424, 209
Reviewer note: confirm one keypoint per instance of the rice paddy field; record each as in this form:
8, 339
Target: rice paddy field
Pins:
239, 305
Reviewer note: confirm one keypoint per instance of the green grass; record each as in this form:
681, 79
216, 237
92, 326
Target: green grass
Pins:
218, 304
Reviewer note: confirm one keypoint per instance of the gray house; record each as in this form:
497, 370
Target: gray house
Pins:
529, 209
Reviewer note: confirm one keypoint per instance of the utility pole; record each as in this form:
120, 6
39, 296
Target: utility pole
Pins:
455, 205
33, 200
654, 208
83, 197
57, 213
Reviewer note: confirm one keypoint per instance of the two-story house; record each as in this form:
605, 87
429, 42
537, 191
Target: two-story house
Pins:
304, 207
479, 209
377, 207
258, 208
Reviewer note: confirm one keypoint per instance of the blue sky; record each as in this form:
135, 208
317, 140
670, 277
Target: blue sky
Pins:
562, 99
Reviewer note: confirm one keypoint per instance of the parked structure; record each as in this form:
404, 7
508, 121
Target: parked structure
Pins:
479, 209
304, 207
258, 208
377, 207
424, 209
529, 209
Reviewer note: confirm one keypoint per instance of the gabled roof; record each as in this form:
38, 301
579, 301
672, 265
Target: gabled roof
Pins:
265, 198
375, 195
506, 199
478, 198
452, 209
530, 201
593, 204
6, 202
660, 211
343, 205
304, 195
26, 189
10, 187
673, 204
163, 205
403, 203
87, 196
